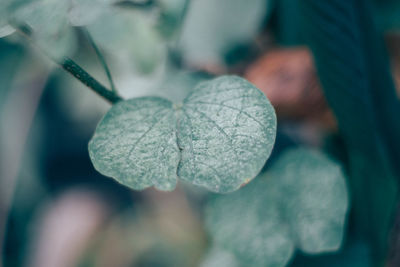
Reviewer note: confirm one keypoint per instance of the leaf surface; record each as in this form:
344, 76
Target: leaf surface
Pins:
136, 144
221, 137
226, 133
300, 204
217, 257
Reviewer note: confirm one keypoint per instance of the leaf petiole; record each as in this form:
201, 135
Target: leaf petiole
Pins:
102, 60
74, 69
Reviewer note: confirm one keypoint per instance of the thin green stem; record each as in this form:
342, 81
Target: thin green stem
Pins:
79, 73
102, 61
74, 69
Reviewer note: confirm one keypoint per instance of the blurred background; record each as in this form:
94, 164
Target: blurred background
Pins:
56, 210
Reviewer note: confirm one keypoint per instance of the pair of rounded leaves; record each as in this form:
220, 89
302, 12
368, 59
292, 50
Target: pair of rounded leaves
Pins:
301, 203
218, 138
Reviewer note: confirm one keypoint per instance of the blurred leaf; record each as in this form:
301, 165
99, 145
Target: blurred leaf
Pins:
286, 18
301, 204
225, 131
171, 16
7, 11
6, 30
387, 14
211, 28
176, 85
51, 29
314, 185
354, 73
354, 254
129, 35
284, 22
217, 257
84, 12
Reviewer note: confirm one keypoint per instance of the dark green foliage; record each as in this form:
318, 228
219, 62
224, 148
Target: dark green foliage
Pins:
354, 72
387, 14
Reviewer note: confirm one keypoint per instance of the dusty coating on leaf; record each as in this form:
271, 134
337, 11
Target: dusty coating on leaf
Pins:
301, 203
219, 138
217, 257
249, 224
318, 199
226, 132
136, 144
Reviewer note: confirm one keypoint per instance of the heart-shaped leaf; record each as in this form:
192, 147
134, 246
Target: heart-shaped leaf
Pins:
219, 138
301, 203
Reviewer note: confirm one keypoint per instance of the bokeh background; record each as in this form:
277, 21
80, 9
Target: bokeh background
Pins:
56, 210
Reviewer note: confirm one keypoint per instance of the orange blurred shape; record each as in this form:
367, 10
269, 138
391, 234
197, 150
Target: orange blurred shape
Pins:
289, 79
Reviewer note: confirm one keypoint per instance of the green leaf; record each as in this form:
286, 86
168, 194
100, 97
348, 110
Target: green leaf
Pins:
301, 203
387, 14
136, 143
314, 185
51, 29
225, 131
84, 12
284, 22
8, 8
129, 36
172, 13
354, 72
176, 85
217, 257
212, 27
6, 30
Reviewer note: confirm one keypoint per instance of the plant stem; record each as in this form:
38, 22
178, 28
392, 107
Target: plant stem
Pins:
74, 69
79, 73
102, 61
134, 4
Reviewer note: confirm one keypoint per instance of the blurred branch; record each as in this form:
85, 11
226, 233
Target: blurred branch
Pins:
74, 69
135, 4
